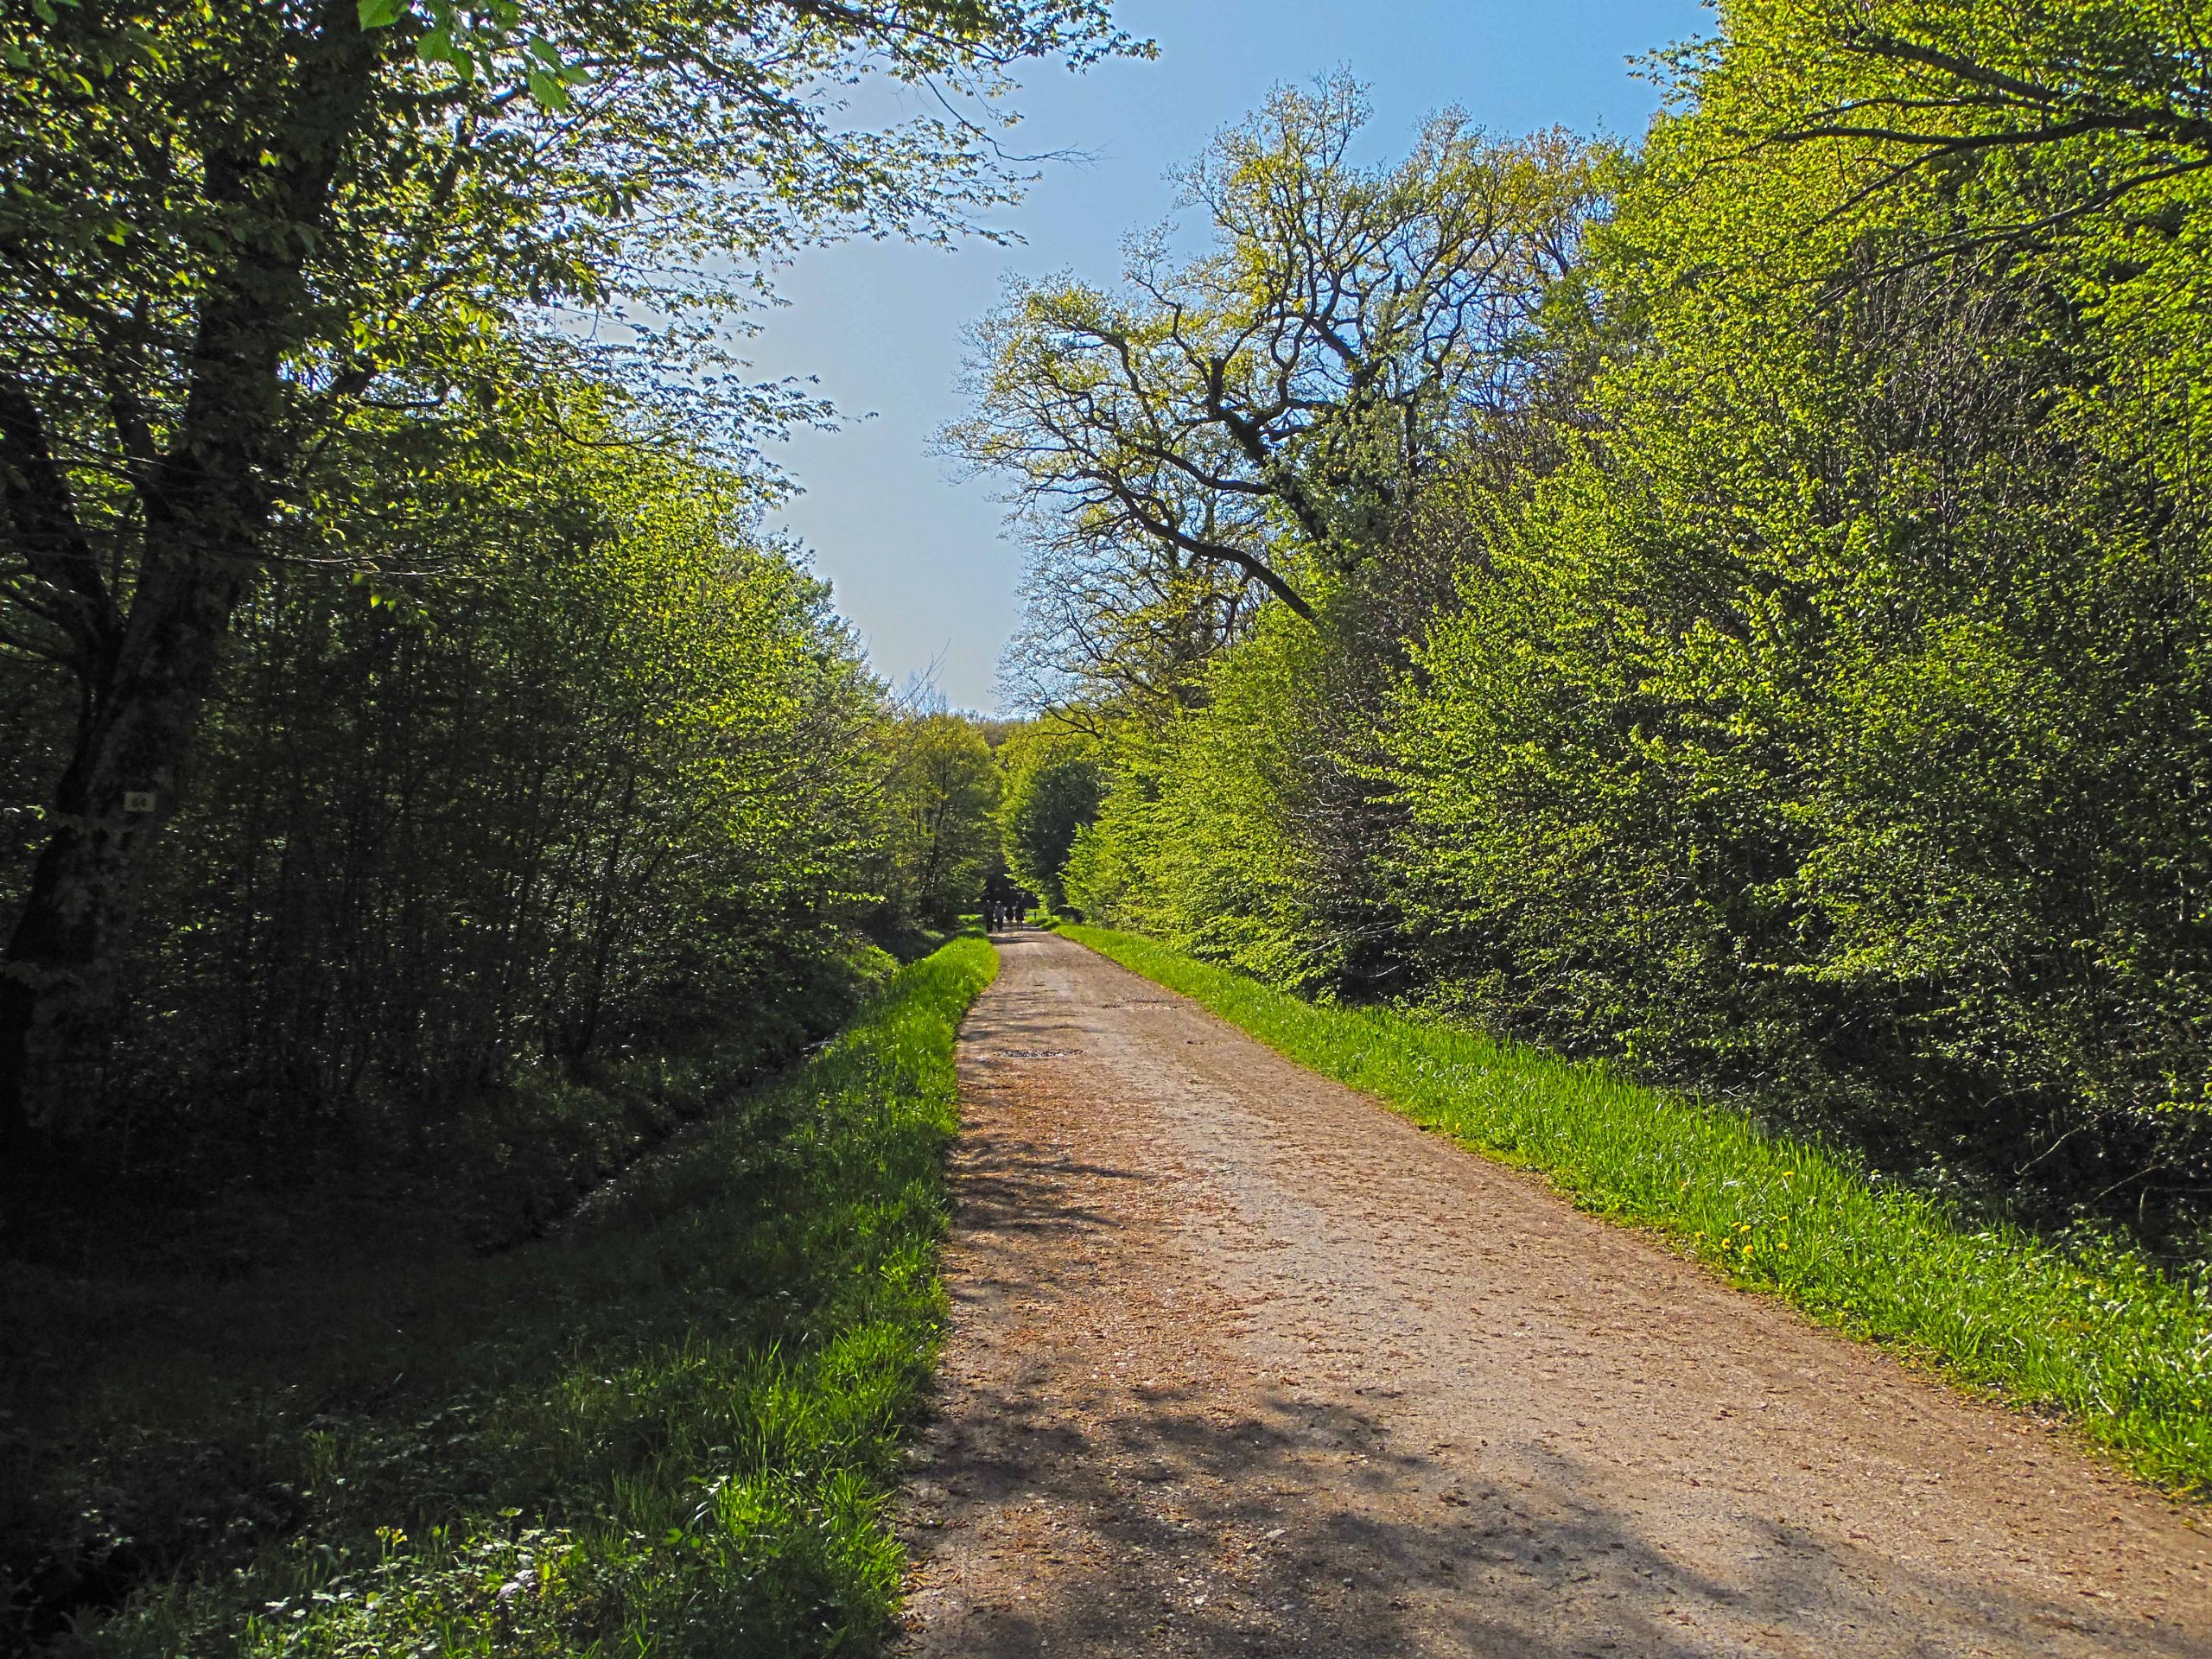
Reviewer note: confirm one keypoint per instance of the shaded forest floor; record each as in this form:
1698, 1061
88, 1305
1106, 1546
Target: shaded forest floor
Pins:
332, 1424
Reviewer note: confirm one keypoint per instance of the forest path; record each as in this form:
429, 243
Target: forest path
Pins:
1243, 1364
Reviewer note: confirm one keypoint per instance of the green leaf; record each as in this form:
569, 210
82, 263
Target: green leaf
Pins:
548, 91
381, 14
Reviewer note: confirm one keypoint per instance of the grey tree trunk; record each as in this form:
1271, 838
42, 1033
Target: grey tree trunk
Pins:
204, 506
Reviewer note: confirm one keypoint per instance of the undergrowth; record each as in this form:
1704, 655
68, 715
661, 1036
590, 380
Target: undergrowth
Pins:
669, 1429
2087, 1330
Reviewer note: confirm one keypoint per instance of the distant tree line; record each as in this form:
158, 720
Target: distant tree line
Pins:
1737, 604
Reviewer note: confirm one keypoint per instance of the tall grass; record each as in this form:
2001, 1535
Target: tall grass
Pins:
2095, 1332
671, 1432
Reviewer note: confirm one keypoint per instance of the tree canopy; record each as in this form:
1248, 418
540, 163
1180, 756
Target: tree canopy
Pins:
1226, 423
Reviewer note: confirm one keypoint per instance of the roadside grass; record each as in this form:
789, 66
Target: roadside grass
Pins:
2096, 1332
670, 1429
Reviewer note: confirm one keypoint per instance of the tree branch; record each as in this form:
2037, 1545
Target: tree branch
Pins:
42, 516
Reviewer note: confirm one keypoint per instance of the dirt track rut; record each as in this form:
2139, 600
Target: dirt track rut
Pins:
1242, 1363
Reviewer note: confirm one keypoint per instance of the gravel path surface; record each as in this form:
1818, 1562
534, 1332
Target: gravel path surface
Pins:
1243, 1364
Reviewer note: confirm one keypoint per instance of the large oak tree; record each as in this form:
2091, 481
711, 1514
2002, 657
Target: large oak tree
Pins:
1224, 427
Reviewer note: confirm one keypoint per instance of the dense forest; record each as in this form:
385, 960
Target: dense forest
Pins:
483, 947
407, 713
1735, 604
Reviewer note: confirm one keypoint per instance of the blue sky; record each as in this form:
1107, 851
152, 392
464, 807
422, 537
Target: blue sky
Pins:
918, 559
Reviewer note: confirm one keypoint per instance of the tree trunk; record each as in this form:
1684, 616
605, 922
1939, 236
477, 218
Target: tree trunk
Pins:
55, 994
586, 1031
204, 508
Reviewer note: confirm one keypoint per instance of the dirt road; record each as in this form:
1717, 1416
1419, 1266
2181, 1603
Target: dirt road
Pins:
1242, 1363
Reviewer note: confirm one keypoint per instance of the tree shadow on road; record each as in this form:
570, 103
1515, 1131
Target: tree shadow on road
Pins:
1105, 1479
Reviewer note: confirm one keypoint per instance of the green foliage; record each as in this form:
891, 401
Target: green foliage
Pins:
940, 794
662, 153
241, 244
1794, 677
1052, 784
1225, 429
2120, 1347
1251, 828
1835, 719
1198, 840
672, 1429
600, 759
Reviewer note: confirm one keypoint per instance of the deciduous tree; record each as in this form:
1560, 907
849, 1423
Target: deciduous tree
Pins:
1272, 406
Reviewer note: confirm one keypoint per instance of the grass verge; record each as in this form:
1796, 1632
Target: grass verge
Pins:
2098, 1334
669, 1430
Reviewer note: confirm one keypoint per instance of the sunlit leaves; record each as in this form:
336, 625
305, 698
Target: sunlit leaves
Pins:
939, 787
1834, 719
1055, 779
1195, 435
